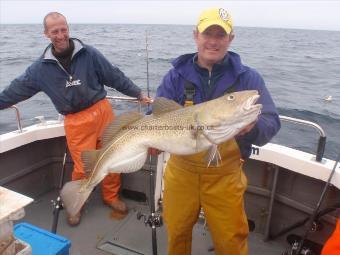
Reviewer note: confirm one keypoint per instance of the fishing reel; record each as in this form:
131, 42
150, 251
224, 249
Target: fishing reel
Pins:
57, 204
308, 247
154, 219
304, 250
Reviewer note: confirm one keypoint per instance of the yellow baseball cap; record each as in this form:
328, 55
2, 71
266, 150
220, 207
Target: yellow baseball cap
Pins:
215, 16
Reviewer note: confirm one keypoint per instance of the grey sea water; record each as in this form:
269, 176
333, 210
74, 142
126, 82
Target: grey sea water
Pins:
300, 67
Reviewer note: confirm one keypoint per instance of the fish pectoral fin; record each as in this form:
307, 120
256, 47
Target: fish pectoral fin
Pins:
73, 196
213, 156
217, 135
207, 136
121, 121
163, 105
89, 159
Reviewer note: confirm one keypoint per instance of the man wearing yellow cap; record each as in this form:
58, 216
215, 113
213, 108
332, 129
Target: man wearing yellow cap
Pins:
189, 183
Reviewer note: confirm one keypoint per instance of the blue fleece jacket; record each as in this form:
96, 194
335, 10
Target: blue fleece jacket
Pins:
69, 92
231, 73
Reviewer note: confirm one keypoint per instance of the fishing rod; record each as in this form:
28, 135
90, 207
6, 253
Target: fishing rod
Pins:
305, 220
147, 65
152, 220
57, 204
297, 248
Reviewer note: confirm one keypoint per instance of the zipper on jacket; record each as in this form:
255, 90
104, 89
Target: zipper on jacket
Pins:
70, 78
209, 79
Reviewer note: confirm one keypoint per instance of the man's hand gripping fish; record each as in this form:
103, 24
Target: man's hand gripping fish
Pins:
171, 128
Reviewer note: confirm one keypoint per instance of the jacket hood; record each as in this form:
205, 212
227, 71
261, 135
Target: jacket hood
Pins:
78, 45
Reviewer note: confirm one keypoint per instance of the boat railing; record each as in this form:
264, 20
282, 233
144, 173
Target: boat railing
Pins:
41, 118
18, 118
322, 139
126, 99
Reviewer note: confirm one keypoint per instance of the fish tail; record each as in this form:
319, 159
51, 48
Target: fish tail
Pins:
74, 195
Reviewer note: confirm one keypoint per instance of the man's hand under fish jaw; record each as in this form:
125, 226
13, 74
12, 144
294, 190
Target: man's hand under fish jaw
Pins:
246, 129
145, 100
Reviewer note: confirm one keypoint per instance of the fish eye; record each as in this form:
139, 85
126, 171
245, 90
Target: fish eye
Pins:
231, 97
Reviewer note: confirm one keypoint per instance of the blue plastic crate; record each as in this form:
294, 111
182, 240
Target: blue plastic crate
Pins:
42, 242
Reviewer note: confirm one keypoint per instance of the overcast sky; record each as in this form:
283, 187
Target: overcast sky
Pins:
323, 15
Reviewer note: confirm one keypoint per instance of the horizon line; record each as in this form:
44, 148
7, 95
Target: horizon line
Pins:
171, 24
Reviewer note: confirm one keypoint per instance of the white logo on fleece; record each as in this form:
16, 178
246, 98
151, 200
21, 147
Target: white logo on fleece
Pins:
73, 83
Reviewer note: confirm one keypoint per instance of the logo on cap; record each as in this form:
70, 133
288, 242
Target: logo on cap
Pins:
223, 14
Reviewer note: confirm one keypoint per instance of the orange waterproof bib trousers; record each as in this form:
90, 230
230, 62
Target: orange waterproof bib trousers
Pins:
83, 131
332, 246
190, 185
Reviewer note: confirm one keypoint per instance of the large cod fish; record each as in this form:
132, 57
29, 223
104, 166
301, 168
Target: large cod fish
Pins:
171, 128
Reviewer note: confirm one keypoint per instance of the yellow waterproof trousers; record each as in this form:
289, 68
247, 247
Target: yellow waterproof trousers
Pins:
190, 185
83, 132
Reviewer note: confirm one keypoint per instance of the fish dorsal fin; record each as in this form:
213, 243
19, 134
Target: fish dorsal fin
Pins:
89, 159
163, 105
120, 121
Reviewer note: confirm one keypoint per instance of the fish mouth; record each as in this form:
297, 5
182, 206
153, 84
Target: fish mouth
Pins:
250, 105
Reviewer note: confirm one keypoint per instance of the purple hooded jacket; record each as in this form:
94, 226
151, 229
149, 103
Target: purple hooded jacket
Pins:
235, 75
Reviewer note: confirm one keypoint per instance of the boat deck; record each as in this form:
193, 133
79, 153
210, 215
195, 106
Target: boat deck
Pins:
100, 234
